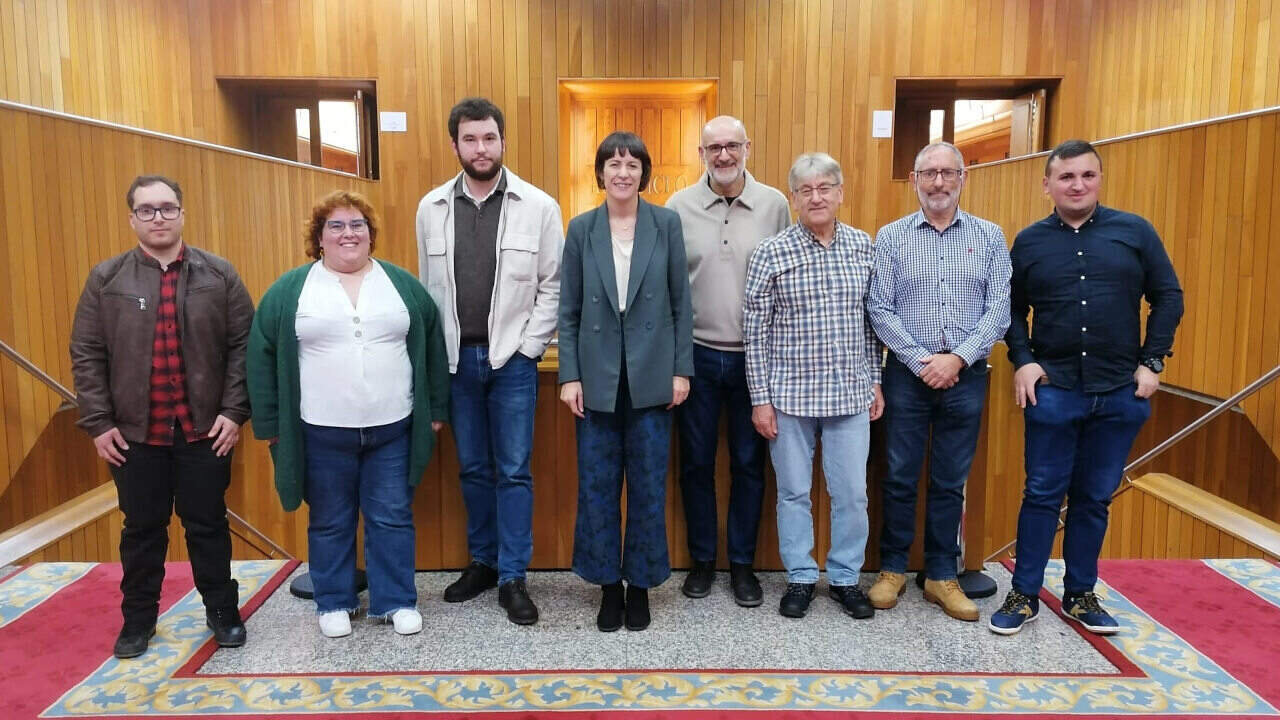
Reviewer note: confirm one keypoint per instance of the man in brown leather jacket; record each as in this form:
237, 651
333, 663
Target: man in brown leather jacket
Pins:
158, 355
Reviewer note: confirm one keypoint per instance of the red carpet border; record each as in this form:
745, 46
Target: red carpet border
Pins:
1199, 638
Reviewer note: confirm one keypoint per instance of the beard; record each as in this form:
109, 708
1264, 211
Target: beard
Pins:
730, 174
482, 175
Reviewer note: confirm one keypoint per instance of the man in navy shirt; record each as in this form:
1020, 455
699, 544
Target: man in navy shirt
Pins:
1084, 374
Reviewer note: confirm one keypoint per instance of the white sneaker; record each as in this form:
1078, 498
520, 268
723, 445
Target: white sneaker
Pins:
335, 624
407, 621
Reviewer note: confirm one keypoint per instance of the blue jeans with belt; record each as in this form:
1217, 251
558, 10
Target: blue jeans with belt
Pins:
947, 422
364, 470
492, 416
720, 382
1076, 446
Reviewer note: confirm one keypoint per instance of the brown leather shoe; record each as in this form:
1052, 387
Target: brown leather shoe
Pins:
888, 588
948, 595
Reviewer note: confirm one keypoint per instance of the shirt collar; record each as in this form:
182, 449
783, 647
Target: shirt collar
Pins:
460, 189
1058, 222
708, 197
919, 219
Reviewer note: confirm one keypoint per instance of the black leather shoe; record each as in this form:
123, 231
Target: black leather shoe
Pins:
637, 608
854, 602
514, 596
701, 576
476, 578
746, 588
133, 641
227, 628
795, 601
611, 608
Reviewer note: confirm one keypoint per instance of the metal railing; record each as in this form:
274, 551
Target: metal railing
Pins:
250, 533
1126, 482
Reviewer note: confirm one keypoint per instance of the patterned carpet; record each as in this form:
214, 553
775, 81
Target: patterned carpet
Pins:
1199, 638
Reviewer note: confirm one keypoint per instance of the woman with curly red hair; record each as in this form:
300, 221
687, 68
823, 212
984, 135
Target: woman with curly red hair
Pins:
348, 380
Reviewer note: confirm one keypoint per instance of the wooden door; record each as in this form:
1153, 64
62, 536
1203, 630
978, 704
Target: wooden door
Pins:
667, 116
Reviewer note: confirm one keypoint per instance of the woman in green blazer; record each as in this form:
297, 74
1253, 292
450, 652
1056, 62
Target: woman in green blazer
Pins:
626, 356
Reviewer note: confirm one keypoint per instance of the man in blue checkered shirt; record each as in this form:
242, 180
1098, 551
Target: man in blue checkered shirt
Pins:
813, 370
939, 300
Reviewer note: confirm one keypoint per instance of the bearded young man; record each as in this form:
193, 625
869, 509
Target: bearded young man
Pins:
489, 249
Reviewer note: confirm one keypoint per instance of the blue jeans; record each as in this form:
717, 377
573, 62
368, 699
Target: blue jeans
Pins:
637, 441
845, 442
720, 381
947, 422
1076, 447
365, 470
492, 416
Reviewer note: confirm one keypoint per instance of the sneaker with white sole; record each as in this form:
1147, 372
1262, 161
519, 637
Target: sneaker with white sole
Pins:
1017, 610
407, 621
335, 624
1084, 609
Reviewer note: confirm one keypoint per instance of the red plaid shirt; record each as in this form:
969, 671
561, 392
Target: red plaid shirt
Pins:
168, 375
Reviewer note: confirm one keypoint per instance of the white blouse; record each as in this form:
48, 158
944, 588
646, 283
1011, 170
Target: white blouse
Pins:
622, 266
353, 362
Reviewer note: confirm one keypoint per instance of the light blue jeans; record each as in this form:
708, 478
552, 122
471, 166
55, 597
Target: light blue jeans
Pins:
845, 442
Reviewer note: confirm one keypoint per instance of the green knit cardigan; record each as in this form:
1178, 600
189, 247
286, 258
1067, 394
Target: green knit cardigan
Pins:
273, 377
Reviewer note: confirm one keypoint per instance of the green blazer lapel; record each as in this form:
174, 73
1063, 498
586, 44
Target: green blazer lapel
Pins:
602, 248
642, 250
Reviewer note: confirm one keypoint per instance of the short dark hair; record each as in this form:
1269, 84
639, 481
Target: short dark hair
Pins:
475, 108
145, 180
624, 143
1068, 149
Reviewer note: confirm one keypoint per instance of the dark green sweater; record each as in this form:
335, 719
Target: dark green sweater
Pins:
273, 377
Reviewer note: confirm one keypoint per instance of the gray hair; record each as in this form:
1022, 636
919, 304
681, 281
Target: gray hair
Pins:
811, 165
934, 146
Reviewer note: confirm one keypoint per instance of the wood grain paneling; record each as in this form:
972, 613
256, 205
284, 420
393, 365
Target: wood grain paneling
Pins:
802, 75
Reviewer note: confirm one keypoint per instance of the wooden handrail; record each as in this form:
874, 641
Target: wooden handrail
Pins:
50, 526
1224, 515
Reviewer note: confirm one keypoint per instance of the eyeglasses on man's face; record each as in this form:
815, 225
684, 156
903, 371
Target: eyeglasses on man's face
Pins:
146, 213
713, 150
809, 191
337, 227
931, 174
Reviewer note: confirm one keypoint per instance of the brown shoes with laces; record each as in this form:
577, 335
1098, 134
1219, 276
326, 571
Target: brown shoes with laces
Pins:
948, 595
888, 588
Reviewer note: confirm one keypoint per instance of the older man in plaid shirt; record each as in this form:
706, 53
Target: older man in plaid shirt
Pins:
813, 370
939, 299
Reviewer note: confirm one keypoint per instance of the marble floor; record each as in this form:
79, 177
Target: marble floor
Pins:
710, 633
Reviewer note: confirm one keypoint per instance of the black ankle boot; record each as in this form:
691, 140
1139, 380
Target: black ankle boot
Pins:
637, 608
611, 608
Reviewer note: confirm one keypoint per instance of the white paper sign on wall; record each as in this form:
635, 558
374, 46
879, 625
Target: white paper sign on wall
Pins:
881, 123
392, 121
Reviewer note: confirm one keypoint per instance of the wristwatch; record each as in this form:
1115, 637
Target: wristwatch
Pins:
1154, 364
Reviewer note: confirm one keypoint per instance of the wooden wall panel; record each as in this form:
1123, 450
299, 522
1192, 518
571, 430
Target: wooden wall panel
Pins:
802, 75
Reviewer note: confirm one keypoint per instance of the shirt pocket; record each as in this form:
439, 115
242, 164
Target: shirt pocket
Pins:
519, 256
437, 262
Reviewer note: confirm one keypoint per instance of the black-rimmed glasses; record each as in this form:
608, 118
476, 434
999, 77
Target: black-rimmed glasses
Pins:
146, 213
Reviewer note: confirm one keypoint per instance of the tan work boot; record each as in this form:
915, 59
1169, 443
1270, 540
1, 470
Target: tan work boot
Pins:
889, 586
948, 595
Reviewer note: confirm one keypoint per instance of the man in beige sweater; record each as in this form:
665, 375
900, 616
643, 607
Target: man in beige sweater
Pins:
725, 215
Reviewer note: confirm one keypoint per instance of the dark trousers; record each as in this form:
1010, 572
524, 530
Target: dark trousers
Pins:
631, 443
720, 383
153, 482
947, 424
